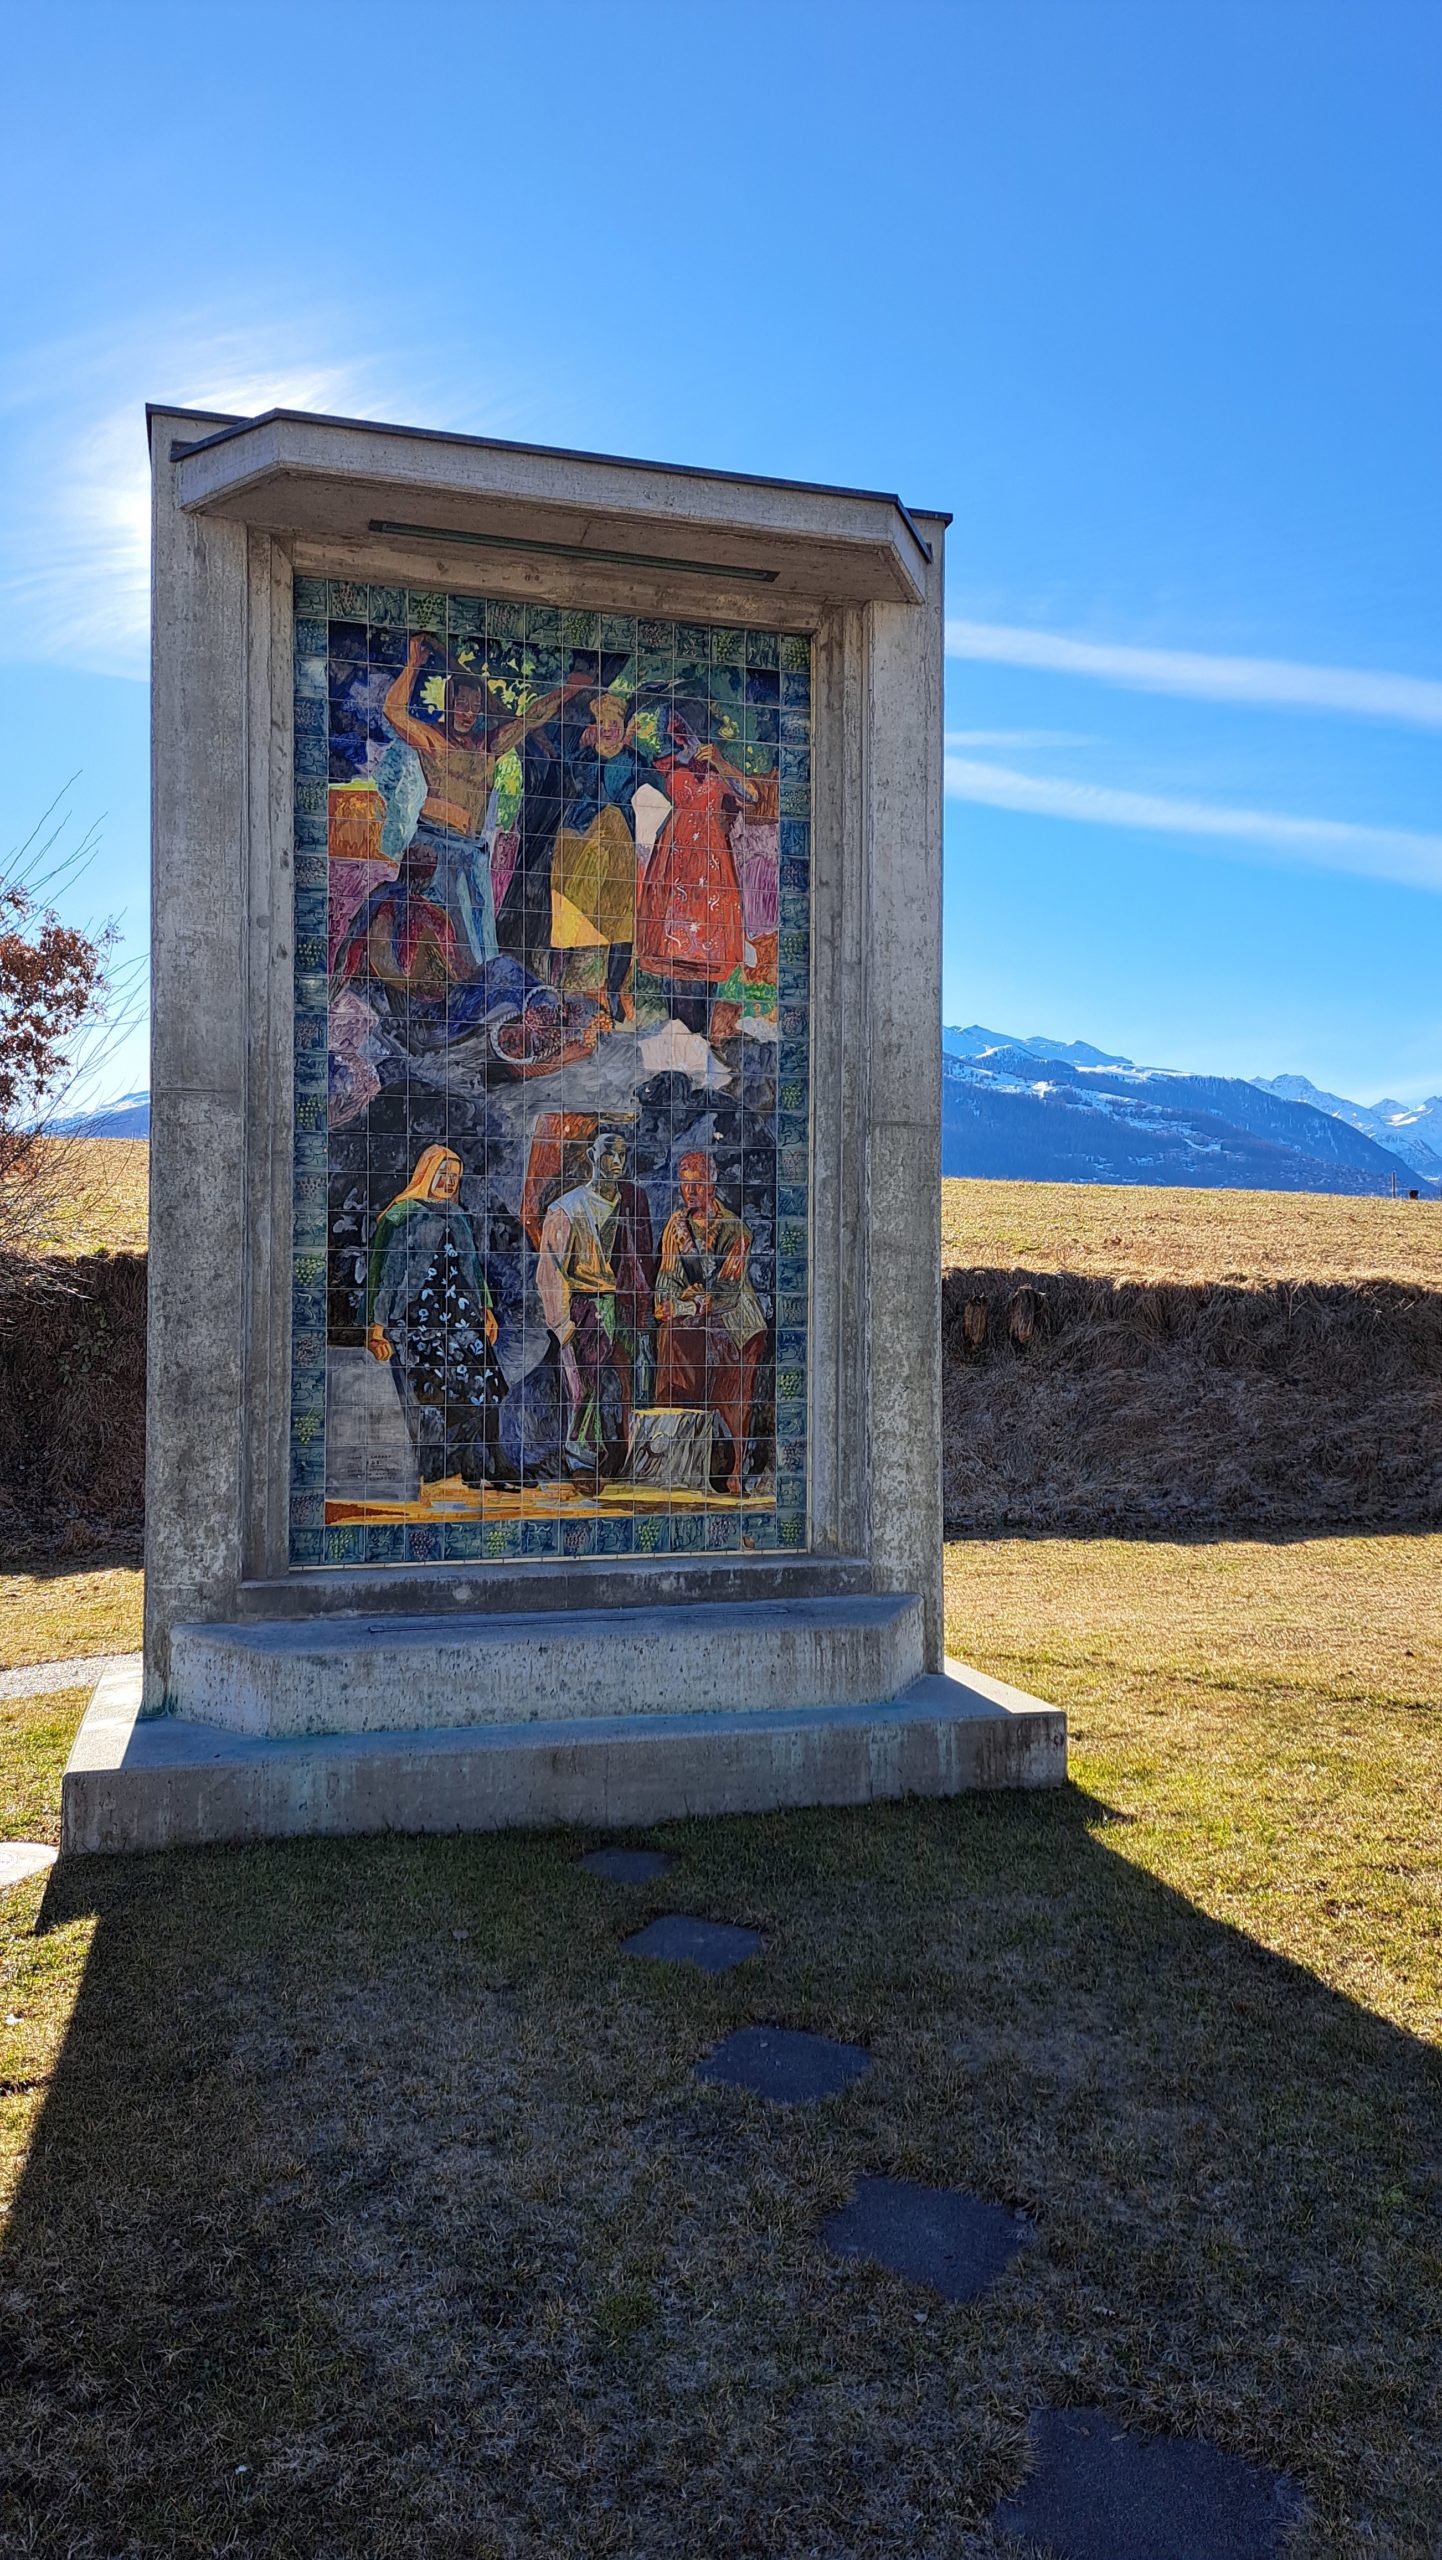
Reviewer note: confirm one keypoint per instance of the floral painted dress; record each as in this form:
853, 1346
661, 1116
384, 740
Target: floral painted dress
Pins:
427, 1292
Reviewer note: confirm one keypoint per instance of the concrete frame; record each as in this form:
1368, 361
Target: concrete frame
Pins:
240, 506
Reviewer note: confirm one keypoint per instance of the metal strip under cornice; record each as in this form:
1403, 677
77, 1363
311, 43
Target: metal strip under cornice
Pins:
574, 551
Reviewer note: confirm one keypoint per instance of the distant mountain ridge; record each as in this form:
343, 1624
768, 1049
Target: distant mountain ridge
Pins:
1093, 1117
1080, 1052
1044, 1110
1412, 1131
127, 1117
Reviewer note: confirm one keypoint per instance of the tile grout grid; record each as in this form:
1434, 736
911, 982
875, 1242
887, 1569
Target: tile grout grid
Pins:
553, 886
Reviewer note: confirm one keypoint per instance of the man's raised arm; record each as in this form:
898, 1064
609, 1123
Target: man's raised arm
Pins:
419, 734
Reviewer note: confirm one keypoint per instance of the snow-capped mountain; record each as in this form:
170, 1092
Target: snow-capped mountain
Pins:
1412, 1130
1061, 1111
127, 1117
1046, 1110
976, 1043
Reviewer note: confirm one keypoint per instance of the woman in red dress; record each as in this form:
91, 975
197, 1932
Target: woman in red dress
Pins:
688, 924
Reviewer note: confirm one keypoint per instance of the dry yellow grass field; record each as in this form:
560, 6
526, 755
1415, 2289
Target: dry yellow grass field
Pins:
94, 1196
1125, 1231
1239, 1238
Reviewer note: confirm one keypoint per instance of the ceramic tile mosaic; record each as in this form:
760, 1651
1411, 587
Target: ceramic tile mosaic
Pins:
552, 933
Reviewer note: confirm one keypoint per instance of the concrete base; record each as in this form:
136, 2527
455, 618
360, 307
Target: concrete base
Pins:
165, 1782
392, 1674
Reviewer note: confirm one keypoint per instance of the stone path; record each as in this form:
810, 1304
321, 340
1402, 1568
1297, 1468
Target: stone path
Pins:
22, 1858
627, 1866
39, 1679
784, 2065
678, 1939
1099, 2494
957, 2244
1093, 2491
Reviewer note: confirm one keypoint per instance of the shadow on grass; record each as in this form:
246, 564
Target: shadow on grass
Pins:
374, 2208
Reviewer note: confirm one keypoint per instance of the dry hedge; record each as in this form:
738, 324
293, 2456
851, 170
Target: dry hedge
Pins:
72, 1404
1069, 1403
1073, 1404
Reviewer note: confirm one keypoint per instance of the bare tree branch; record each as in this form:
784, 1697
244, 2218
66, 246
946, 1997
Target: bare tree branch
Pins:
64, 1006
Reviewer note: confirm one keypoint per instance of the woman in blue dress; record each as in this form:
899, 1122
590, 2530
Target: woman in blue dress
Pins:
428, 1308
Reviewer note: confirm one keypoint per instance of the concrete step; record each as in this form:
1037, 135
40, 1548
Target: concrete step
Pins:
390, 1674
168, 1782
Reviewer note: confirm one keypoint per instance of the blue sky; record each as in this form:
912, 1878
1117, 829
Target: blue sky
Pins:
1146, 296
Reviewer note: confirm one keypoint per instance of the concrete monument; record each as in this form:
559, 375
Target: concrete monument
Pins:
544, 1348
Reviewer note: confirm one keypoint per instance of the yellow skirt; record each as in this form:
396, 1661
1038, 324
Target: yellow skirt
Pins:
593, 884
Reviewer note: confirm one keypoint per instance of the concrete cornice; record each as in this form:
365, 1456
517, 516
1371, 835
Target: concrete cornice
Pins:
344, 480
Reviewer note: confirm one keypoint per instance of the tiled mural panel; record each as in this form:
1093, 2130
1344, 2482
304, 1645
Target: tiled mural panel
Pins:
551, 1049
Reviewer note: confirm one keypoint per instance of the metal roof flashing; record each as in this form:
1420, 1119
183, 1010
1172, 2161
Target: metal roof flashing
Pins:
222, 418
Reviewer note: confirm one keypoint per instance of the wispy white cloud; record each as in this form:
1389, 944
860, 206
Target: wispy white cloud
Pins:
74, 561
1330, 844
1017, 738
1277, 683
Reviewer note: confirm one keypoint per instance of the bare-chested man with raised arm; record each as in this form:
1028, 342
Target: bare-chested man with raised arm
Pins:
460, 752
458, 756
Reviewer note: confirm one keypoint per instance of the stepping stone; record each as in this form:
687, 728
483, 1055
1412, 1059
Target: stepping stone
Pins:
626, 1866
22, 1858
677, 1939
1097, 2494
936, 2236
785, 2065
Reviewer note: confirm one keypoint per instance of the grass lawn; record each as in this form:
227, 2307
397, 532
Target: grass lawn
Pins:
49, 1613
365, 2203
35, 1739
93, 1196
1267, 1717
